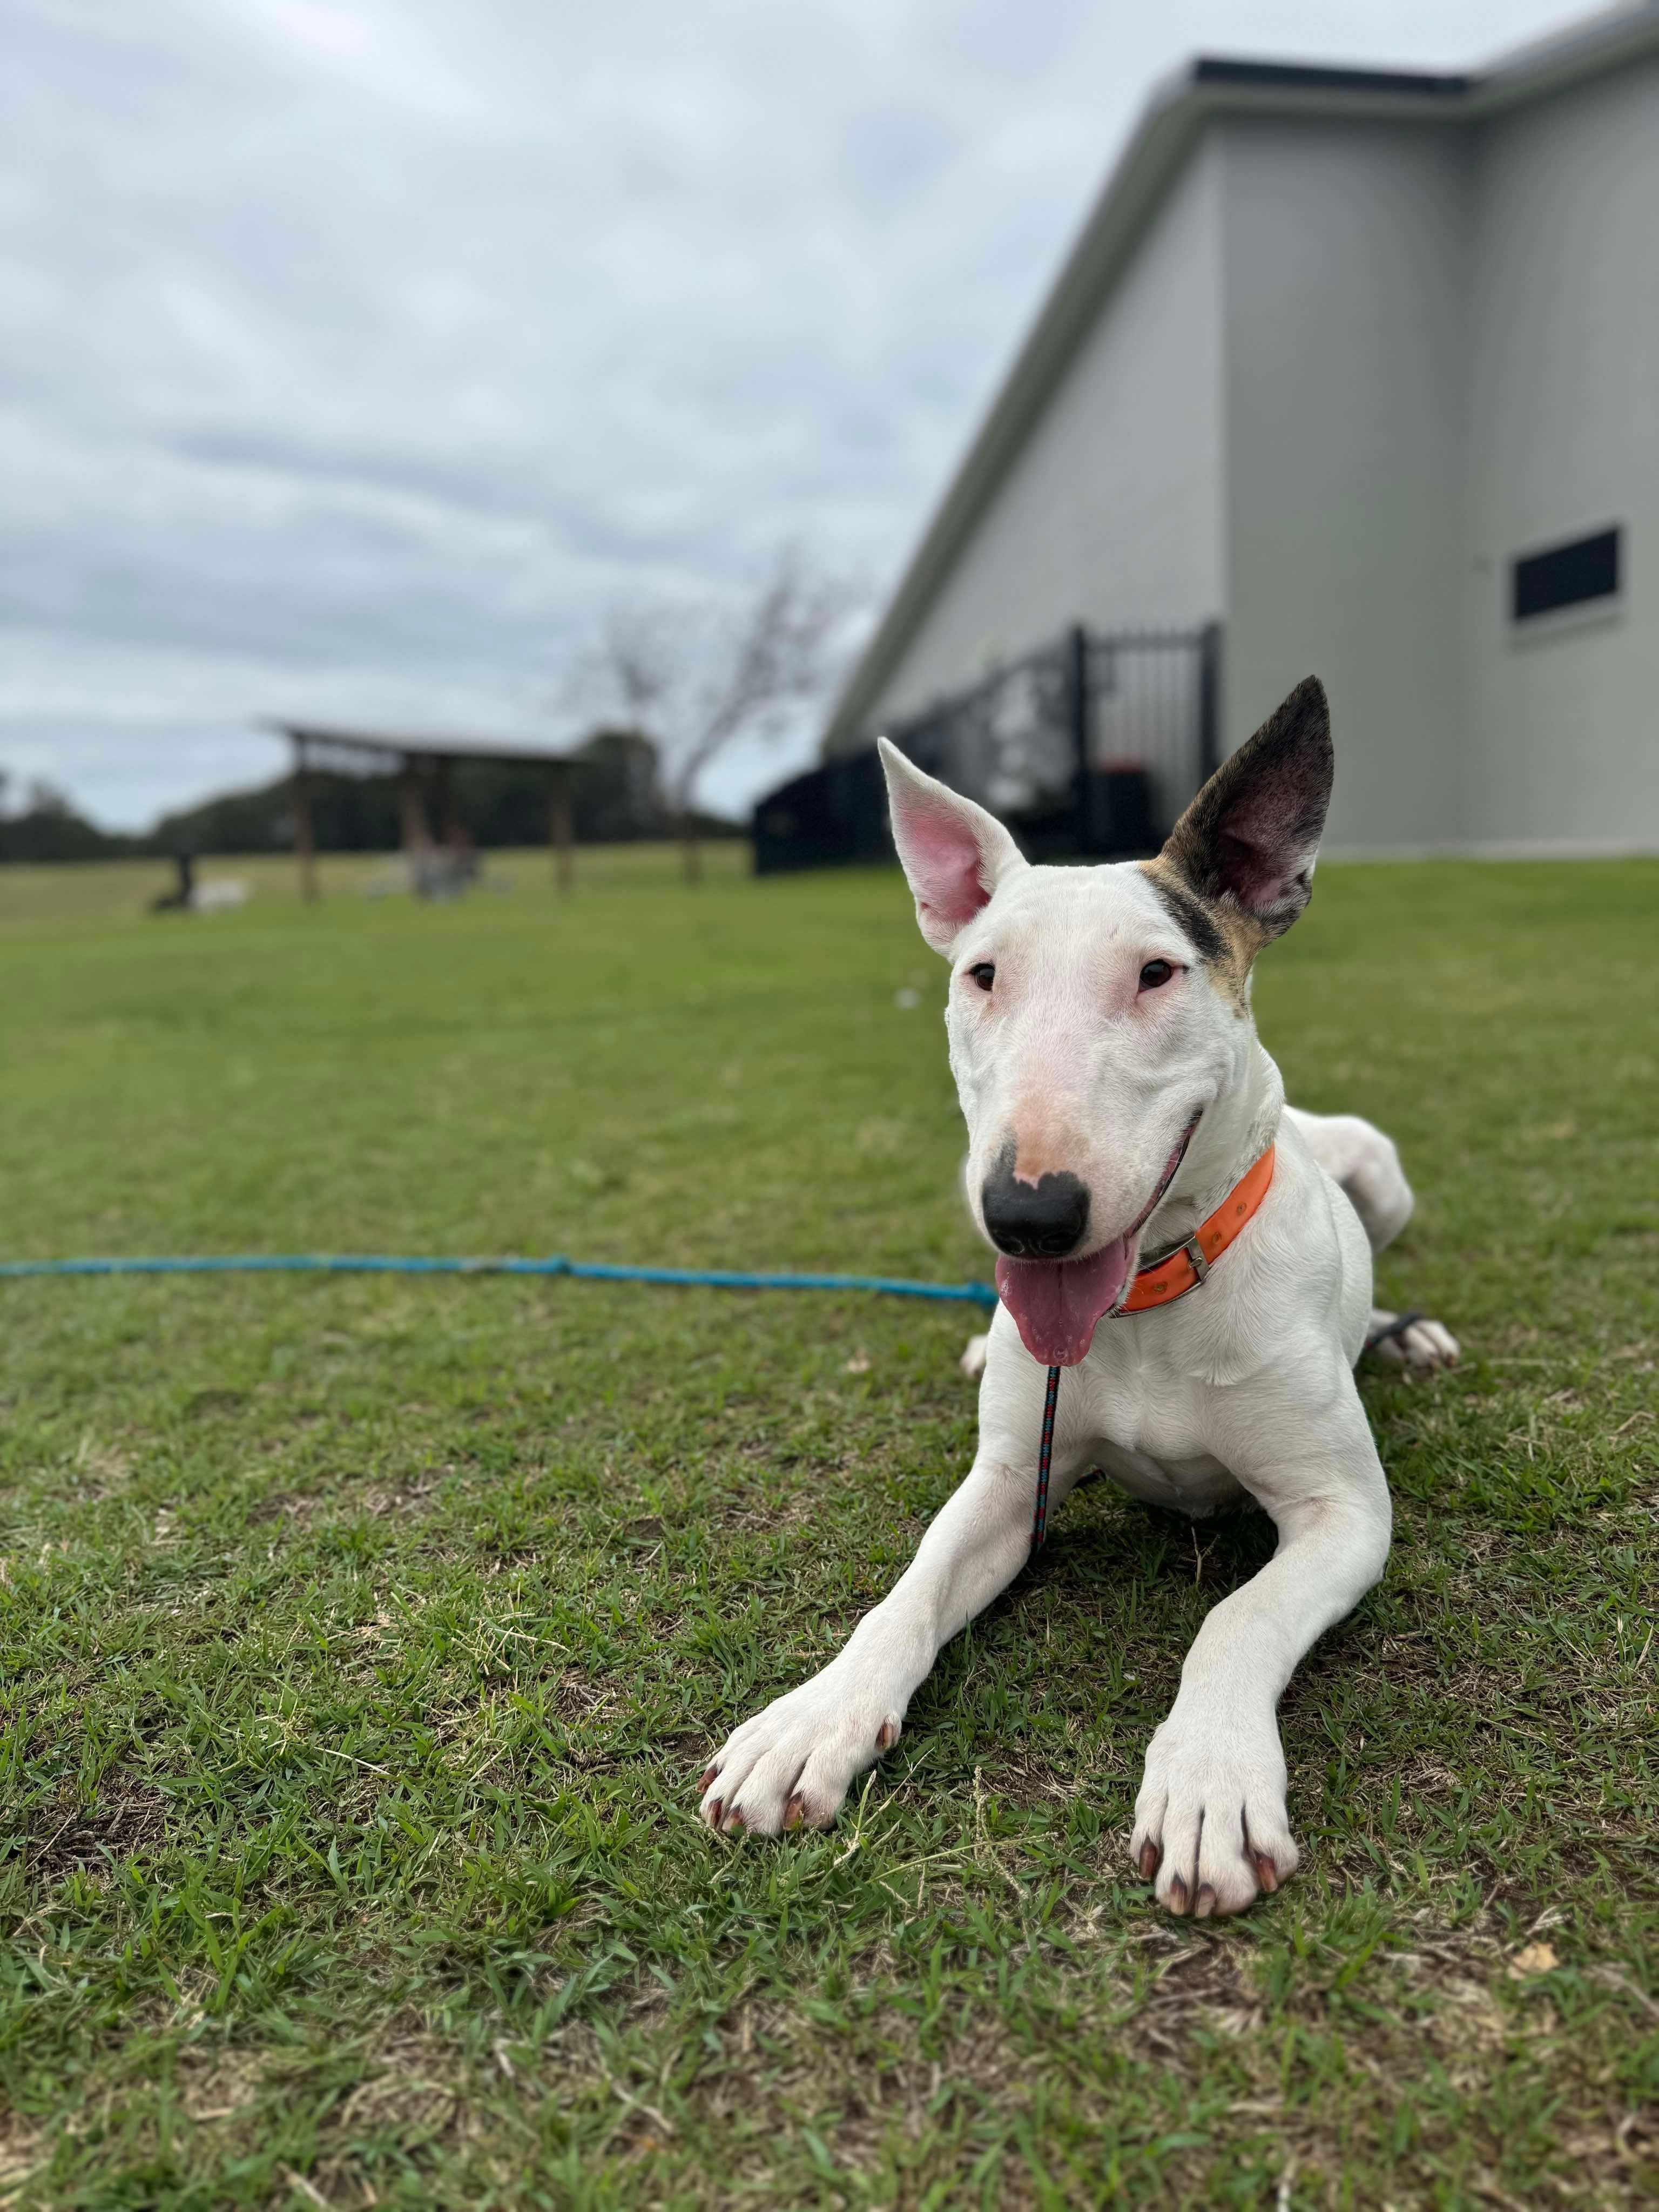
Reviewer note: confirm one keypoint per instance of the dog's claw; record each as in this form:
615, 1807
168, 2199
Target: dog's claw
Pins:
1150, 1855
1267, 1873
795, 1811
733, 1821
1177, 1893
1204, 1903
713, 1814
707, 1776
887, 1736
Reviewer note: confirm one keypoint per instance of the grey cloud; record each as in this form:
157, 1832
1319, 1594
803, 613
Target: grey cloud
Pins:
359, 351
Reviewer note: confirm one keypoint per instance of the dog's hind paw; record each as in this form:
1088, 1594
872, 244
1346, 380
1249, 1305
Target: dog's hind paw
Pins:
972, 1362
1210, 1831
1411, 1341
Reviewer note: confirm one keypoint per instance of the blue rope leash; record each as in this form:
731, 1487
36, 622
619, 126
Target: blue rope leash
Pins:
593, 1271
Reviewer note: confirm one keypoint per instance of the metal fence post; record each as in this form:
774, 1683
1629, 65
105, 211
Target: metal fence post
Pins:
1209, 700
1078, 702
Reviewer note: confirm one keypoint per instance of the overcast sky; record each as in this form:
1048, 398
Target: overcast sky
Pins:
357, 352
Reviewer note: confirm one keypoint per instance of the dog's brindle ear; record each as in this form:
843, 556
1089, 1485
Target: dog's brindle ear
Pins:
953, 852
1247, 842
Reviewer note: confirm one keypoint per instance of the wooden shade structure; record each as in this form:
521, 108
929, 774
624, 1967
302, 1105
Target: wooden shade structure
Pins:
424, 767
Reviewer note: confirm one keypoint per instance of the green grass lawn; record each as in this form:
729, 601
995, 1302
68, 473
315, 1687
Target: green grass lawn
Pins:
363, 1639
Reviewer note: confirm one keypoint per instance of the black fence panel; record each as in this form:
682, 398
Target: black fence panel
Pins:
1089, 746
832, 815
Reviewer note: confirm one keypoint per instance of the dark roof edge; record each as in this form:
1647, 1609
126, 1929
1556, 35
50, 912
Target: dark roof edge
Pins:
1156, 148
1320, 76
417, 745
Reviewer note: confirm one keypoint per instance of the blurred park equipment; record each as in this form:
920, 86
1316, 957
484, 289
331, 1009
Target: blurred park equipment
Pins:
698, 674
219, 894
177, 901
439, 852
1360, 363
1090, 745
189, 897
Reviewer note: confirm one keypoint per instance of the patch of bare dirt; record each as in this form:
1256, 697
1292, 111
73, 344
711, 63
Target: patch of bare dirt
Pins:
128, 1817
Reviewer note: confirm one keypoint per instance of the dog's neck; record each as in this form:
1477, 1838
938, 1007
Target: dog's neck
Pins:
1232, 1136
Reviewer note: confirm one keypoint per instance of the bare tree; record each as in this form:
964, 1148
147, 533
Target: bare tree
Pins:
693, 675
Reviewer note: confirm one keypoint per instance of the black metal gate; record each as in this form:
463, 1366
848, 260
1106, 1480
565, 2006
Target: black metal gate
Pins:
1089, 746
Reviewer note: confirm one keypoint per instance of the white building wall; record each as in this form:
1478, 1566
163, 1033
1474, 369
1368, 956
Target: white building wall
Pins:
1350, 370
1110, 513
1346, 285
1564, 393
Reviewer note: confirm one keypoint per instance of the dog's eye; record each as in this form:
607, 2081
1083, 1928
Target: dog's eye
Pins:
1155, 973
984, 975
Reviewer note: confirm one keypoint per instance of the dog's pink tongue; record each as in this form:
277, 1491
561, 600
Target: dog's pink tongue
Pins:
1055, 1304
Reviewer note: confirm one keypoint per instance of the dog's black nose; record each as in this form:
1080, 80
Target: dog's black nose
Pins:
1042, 1221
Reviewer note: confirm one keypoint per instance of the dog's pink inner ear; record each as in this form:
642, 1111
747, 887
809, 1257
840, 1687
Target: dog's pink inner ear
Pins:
1261, 871
944, 864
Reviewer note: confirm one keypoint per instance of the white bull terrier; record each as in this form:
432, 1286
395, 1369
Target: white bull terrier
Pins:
1195, 1253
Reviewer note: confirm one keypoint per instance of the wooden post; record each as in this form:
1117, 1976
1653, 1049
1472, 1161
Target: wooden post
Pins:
304, 829
560, 828
443, 796
690, 845
410, 810
416, 837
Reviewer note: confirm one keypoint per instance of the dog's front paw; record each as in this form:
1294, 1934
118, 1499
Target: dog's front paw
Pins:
790, 1766
1211, 1828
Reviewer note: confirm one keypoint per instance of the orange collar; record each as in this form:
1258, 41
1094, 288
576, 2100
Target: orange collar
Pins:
1188, 1266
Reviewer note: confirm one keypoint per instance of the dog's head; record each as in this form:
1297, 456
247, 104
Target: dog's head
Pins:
1096, 1015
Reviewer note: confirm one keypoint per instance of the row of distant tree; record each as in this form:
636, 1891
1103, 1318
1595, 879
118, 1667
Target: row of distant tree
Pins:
37, 822
671, 682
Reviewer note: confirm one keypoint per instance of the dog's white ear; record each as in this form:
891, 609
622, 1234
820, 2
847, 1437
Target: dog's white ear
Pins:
953, 852
1250, 837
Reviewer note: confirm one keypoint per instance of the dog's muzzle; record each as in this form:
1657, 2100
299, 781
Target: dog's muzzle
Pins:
1041, 1220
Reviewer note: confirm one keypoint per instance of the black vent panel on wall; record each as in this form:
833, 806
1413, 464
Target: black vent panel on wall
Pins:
1571, 575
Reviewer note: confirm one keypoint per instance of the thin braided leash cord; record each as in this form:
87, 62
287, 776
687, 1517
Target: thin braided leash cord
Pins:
1051, 1398
1045, 1452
